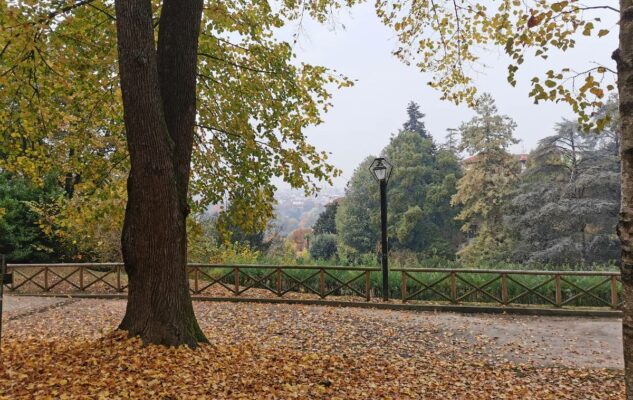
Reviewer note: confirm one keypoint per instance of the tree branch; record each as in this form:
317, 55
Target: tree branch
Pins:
237, 65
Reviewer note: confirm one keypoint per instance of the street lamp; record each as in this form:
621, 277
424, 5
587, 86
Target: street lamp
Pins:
381, 170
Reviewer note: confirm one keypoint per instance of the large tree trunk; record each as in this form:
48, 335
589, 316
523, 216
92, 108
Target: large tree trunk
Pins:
158, 89
624, 59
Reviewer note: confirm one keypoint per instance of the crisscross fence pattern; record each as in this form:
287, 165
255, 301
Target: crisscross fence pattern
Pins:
512, 287
283, 280
503, 288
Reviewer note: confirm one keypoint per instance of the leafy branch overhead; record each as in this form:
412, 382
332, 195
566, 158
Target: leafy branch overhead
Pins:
61, 109
449, 37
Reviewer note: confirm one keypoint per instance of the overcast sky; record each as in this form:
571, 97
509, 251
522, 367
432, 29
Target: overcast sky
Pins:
364, 116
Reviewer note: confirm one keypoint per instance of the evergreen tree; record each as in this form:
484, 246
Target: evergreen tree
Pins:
326, 222
323, 247
452, 140
415, 123
566, 208
357, 217
420, 217
419, 192
491, 173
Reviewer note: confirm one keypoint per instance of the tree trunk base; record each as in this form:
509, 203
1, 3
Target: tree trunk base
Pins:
183, 330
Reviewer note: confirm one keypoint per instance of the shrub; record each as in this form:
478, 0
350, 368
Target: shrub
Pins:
323, 246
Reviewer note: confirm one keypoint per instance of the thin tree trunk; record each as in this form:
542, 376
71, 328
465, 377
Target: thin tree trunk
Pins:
583, 243
624, 59
154, 242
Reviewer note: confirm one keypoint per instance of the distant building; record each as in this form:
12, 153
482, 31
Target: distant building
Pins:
523, 159
469, 161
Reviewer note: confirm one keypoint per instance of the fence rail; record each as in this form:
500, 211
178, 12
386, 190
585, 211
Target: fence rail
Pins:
513, 287
559, 289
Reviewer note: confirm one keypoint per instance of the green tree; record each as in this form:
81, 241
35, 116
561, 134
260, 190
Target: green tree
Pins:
419, 192
22, 239
326, 222
420, 217
565, 208
491, 173
357, 219
452, 140
415, 122
323, 246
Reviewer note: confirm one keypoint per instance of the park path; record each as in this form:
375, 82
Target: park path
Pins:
538, 340
18, 306
574, 341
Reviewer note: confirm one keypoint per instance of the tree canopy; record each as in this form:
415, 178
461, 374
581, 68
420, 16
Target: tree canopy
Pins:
61, 104
491, 172
415, 122
446, 38
566, 205
21, 237
326, 222
420, 217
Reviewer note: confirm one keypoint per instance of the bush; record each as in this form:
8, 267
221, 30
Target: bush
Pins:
323, 246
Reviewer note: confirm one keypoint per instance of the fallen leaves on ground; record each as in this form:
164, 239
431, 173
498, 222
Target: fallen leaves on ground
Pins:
261, 351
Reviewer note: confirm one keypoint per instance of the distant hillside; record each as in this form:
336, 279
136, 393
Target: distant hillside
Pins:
294, 210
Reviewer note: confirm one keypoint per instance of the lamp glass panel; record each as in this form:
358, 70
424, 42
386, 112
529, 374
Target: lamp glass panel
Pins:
381, 173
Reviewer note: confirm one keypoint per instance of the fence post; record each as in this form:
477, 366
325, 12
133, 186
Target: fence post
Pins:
504, 289
453, 287
118, 278
46, 278
367, 286
279, 282
559, 294
614, 291
236, 278
196, 289
81, 278
322, 283
404, 286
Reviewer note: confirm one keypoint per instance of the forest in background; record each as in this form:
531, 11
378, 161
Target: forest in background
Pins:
468, 201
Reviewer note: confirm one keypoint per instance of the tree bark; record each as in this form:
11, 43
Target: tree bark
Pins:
624, 59
158, 89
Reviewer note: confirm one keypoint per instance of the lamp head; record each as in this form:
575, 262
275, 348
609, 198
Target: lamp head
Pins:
381, 169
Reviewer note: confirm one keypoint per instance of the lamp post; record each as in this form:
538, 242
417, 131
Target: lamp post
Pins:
381, 171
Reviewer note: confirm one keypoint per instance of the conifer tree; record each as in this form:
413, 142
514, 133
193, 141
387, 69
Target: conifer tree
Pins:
491, 173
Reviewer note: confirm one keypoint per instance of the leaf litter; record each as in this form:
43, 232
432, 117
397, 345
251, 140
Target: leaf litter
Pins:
265, 351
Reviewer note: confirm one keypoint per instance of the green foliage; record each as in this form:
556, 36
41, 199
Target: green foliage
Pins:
323, 246
565, 209
452, 140
326, 223
357, 218
420, 217
415, 122
491, 174
21, 238
202, 238
419, 193
60, 104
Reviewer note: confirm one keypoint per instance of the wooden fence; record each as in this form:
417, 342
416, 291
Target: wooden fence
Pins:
558, 289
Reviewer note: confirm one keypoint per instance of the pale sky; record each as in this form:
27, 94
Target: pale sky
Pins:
364, 116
